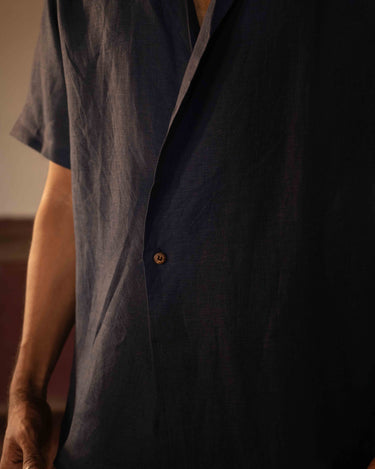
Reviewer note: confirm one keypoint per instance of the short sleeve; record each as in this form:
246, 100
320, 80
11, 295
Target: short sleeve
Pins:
43, 123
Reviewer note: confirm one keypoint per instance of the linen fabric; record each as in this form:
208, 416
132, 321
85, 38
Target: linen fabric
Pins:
243, 149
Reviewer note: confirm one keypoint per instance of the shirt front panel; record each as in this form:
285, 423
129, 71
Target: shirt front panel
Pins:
124, 62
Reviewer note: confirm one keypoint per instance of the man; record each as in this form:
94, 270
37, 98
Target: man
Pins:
217, 171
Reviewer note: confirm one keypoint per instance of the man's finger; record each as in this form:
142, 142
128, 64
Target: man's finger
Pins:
372, 465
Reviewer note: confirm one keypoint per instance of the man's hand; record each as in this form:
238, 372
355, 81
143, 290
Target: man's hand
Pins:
28, 436
372, 464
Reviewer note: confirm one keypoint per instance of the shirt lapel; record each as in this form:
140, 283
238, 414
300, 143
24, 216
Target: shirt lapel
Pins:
216, 11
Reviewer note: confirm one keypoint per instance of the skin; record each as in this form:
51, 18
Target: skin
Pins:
201, 9
48, 319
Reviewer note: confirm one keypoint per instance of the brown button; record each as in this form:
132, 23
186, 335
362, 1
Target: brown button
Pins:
160, 257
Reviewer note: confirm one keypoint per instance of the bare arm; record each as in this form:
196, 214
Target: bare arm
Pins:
48, 319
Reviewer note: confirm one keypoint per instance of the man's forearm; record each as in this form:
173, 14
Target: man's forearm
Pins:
49, 297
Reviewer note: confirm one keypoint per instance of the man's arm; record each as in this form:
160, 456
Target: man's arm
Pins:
48, 318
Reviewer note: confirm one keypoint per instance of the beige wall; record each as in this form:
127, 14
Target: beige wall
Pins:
22, 169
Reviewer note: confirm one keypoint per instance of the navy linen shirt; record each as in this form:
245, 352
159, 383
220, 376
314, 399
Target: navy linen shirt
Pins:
223, 183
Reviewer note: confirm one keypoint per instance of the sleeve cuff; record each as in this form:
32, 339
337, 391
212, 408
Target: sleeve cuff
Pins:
22, 134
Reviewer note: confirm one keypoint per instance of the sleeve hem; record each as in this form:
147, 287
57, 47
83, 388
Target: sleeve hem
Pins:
24, 135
